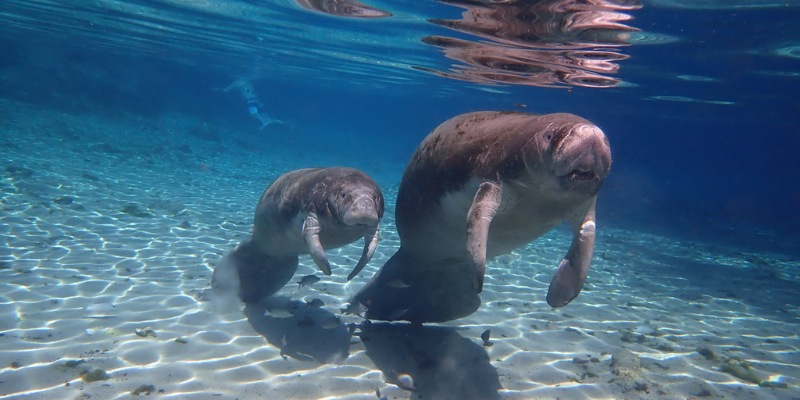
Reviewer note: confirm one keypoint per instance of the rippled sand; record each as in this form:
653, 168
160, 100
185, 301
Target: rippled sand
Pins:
106, 235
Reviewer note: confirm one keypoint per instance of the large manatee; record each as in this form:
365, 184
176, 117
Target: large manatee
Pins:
480, 185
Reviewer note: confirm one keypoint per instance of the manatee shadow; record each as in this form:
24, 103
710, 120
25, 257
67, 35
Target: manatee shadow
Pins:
303, 334
443, 364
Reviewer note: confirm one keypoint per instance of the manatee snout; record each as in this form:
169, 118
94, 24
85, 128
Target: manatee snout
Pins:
583, 158
362, 212
365, 213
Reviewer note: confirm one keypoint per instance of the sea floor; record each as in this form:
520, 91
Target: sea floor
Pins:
111, 227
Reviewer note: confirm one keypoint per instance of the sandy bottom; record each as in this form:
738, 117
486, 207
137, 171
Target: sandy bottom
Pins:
110, 231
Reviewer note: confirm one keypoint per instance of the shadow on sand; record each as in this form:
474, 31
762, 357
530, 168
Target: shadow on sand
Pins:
301, 331
442, 363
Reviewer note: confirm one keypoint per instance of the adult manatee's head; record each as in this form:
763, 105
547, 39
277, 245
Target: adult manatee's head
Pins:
357, 201
575, 151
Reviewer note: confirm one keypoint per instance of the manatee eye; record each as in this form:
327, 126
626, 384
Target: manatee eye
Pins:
548, 136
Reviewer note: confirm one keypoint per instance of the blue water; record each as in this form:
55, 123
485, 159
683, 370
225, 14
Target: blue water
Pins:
700, 104
727, 155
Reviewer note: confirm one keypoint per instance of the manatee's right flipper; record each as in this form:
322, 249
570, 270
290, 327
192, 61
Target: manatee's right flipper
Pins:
311, 230
571, 274
406, 289
483, 209
252, 273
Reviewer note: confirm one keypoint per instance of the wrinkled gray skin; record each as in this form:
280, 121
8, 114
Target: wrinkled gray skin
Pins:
303, 212
480, 185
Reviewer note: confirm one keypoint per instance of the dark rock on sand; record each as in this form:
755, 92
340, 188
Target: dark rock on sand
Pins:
64, 200
136, 210
94, 375
143, 389
18, 172
627, 368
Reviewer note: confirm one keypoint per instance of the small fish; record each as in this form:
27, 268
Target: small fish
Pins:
278, 313
201, 296
330, 323
307, 280
579, 361
397, 283
314, 303
306, 322
520, 105
355, 309
145, 332
645, 330
99, 308
485, 337
308, 357
284, 343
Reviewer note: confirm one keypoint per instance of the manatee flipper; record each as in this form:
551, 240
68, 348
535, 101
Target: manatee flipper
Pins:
419, 291
479, 218
311, 231
252, 273
571, 274
370, 244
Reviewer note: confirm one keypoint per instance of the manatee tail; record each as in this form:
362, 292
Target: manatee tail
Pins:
251, 273
409, 289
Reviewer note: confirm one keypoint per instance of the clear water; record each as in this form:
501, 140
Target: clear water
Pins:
129, 170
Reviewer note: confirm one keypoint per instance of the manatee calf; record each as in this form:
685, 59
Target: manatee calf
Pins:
480, 185
303, 212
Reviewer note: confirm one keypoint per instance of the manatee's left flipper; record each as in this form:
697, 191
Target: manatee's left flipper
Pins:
571, 274
370, 244
484, 207
311, 231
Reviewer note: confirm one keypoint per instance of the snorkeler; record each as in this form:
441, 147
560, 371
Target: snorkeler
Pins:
254, 105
